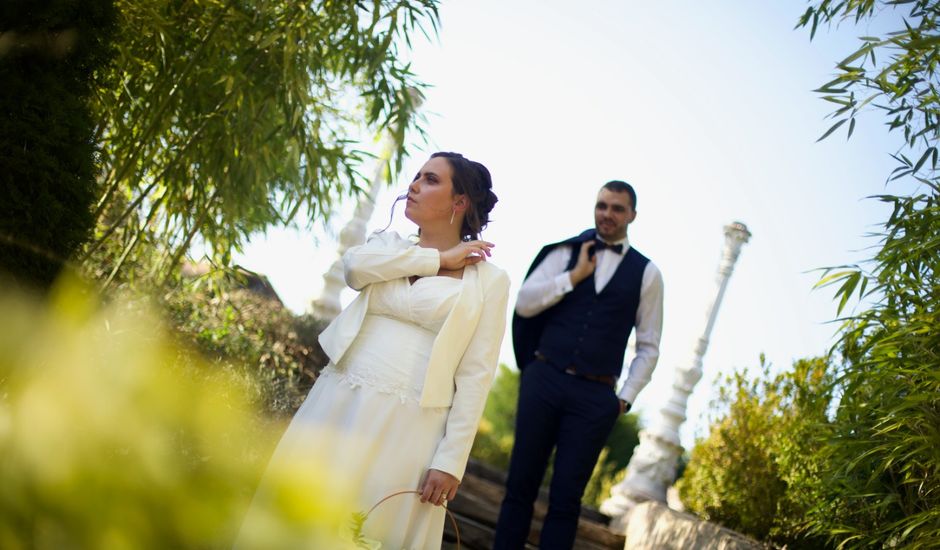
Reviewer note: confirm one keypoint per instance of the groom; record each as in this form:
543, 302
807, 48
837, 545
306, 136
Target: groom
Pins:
580, 301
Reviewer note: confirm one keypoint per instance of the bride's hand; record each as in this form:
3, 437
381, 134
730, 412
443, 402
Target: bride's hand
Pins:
464, 254
438, 487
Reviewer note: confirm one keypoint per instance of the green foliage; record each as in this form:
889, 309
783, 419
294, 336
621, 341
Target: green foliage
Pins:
605, 475
758, 471
493, 442
623, 439
903, 83
221, 118
356, 528
114, 437
884, 460
251, 335
494, 439
48, 56
883, 475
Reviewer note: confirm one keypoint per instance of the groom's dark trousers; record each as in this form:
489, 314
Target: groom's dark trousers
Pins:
563, 411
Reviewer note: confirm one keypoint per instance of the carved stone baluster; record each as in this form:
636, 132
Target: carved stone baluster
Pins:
652, 467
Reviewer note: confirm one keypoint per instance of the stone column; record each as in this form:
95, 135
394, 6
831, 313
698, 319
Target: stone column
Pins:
327, 306
652, 467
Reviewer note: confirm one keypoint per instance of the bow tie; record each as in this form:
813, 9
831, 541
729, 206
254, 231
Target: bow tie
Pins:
601, 245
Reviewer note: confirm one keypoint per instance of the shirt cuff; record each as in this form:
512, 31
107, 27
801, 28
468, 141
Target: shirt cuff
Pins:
629, 392
563, 283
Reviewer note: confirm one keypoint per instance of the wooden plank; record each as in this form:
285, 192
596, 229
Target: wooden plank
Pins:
478, 502
473, 505
480, 470
473, 535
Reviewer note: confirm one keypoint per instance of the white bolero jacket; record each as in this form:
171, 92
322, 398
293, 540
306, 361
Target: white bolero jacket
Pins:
465, 352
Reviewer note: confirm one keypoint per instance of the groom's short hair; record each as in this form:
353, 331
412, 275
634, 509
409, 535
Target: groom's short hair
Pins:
621, 187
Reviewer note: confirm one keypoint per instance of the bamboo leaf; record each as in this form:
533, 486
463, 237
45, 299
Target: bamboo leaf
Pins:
832, 129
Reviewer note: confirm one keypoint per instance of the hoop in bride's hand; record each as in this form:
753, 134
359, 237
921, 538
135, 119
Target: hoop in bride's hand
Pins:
450, 515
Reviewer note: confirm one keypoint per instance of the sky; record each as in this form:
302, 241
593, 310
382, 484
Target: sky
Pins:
706, 108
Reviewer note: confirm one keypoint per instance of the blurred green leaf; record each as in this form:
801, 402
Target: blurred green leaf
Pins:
115, 437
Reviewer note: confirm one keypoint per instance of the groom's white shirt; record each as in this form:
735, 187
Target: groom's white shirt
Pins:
465, 352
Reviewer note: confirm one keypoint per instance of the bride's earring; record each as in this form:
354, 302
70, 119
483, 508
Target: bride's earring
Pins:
452, 214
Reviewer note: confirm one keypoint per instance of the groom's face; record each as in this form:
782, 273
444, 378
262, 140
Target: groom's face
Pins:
613, 212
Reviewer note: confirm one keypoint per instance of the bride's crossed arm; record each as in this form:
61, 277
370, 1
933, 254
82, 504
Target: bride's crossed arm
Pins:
386, 256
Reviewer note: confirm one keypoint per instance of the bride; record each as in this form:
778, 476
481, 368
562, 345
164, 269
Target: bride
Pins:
412, 357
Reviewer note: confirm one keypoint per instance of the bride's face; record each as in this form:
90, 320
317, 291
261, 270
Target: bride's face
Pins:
431, 194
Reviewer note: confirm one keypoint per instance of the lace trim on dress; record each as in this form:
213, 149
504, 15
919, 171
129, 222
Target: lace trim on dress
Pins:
404, 392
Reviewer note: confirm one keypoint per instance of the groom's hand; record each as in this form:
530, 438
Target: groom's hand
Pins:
586, 264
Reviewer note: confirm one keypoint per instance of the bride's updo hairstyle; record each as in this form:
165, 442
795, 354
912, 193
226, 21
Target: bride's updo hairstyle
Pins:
472, 179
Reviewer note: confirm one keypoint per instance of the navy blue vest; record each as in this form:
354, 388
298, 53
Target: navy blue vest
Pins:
586, 330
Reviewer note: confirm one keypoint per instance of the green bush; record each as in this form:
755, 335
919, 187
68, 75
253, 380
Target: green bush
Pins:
48, 60
606, 474
252, 335
882, 465
493, 442
758, 471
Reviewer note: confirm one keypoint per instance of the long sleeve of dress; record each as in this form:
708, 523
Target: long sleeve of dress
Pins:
386, 256
473, 379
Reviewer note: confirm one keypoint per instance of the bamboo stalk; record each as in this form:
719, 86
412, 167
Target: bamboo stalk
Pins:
189, 237
133, 243
146, 135
163, 172
192, 139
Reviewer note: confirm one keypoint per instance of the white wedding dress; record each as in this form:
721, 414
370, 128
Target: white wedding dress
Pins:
386, 440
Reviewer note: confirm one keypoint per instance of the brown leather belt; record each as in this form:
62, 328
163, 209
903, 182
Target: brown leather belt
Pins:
607, 379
